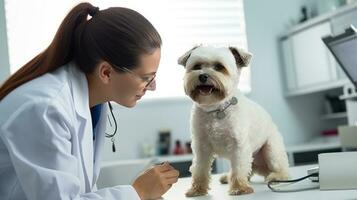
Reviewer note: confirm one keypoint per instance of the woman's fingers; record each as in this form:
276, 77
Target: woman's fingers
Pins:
168, 174
155, 181
167, 187
171, 181
171, 173
164, 167
170, 177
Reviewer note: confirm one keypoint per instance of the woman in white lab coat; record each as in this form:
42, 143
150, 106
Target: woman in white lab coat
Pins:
53, 110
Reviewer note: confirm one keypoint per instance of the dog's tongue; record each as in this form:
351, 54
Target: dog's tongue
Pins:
205, 90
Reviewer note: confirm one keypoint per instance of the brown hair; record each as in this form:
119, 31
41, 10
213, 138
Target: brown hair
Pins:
116, 35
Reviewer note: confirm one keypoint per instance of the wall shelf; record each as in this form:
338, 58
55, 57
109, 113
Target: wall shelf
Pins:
331, 116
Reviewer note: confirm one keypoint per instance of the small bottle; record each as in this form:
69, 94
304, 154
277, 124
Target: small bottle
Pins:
178, 148
188, 148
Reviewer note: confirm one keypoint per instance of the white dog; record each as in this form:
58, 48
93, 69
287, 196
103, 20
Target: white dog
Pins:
227, 124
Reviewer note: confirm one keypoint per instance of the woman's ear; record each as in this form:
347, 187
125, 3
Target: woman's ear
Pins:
105, 71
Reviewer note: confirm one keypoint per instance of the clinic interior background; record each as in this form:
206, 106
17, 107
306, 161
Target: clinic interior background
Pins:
27, 27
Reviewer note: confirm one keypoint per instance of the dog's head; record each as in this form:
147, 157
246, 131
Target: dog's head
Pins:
212, 73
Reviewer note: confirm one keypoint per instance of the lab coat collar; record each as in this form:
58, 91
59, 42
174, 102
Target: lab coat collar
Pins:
80, 96
80, 91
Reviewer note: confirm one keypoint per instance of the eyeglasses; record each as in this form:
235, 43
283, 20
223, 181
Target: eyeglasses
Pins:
148, 80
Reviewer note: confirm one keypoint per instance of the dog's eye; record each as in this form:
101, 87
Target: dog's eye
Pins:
218, 66
196, 67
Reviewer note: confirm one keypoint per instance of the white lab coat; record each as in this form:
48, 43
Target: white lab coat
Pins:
47, 150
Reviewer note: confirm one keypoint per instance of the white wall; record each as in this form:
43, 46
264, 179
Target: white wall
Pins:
297, 118
142, 123
4, 55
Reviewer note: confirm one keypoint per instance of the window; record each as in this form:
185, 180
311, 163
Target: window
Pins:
182, 24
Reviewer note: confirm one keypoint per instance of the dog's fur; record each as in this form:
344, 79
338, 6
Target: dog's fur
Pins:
247, 136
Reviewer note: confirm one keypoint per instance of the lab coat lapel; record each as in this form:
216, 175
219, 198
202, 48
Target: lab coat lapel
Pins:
81, 102
99, 141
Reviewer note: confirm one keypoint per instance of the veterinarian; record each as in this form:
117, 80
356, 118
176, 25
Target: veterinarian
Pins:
54, 109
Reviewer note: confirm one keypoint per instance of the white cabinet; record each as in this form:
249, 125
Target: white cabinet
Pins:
343, 21
312, 60
308, 64
289, 71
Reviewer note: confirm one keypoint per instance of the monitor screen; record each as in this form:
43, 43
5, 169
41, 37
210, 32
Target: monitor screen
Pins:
345, 52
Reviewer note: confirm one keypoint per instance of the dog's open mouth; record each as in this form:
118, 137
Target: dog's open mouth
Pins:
205, 90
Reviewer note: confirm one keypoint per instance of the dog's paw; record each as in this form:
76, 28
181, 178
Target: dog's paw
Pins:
241, 190
224, 179
194, 192
277, 176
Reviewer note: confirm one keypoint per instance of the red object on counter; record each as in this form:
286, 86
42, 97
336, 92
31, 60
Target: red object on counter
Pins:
178, 148
329, 132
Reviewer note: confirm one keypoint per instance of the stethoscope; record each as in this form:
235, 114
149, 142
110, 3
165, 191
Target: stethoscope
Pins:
111, 136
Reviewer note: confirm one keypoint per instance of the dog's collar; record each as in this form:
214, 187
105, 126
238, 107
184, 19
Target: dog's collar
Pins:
220, 112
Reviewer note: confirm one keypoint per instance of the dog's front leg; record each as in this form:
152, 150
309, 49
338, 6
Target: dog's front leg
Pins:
241, 165
201, 171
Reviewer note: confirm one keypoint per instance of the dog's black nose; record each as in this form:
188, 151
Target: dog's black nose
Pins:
203, 78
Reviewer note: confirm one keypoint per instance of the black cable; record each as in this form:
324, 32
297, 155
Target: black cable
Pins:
115, 129
289, 181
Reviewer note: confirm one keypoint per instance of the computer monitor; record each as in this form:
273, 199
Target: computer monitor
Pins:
344, 49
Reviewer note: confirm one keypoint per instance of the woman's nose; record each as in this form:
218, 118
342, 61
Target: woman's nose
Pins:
151, 86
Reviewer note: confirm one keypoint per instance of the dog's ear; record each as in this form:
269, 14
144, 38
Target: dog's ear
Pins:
241, 56
183, 59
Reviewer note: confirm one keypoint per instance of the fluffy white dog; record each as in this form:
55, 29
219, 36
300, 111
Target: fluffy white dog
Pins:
227, 124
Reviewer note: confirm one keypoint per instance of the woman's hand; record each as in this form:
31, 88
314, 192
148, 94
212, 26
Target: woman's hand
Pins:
154, 182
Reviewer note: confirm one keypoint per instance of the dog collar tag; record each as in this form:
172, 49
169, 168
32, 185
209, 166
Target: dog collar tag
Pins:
234, 101
221, 114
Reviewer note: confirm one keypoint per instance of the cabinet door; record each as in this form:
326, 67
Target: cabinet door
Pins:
341, 22
288, 69
311, 57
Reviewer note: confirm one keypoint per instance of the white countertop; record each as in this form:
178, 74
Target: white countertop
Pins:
319, 143
219, 191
